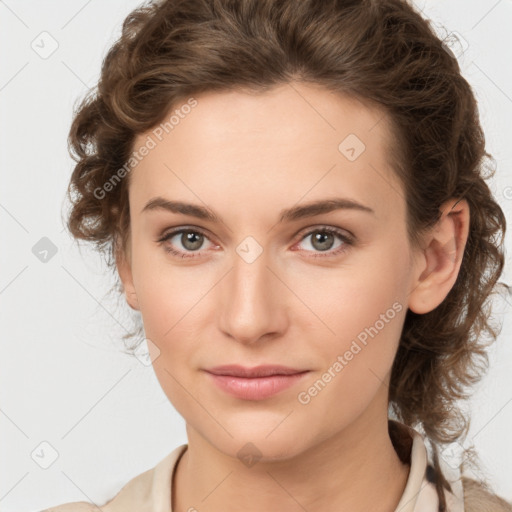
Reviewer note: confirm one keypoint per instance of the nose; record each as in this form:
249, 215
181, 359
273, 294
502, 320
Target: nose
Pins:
253, 301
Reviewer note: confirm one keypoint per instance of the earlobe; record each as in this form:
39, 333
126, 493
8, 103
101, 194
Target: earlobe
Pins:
124, 270
438, 267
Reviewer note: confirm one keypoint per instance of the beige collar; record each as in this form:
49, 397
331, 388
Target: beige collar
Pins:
420, 494
151, 490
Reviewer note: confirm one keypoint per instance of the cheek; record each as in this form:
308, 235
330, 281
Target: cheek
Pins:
364, 308
357, 305
352, 295
357, 364
358, 359
170, 297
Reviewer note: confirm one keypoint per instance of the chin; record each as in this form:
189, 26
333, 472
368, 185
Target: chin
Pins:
257, 443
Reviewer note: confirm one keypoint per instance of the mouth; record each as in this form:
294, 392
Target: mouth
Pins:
256, 371
257, 383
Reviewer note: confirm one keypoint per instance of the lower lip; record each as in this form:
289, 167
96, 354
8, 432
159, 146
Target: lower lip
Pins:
255, 388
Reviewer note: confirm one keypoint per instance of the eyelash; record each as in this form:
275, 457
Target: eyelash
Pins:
347, 241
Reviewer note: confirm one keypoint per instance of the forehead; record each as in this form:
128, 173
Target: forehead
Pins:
294, 141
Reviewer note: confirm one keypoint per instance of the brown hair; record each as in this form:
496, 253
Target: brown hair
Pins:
381, 52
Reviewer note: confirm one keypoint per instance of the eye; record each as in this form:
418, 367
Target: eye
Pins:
190, 239
323, 240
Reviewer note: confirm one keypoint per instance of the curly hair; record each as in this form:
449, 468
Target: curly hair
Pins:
381, 52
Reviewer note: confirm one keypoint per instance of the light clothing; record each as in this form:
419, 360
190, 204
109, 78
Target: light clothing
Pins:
151, 490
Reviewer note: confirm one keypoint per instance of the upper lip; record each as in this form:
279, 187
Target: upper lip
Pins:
256, 371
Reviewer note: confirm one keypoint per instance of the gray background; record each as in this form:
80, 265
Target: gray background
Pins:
67, 389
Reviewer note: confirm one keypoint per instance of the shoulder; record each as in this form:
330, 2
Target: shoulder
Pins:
139, 494
132, 493
78, 506
478, 498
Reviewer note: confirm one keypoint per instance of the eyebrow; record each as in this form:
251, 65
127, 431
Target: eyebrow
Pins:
287, 215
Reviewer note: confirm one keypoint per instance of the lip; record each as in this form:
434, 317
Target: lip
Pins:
257, 383
263, 370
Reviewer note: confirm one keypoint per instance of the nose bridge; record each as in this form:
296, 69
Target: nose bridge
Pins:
251, 306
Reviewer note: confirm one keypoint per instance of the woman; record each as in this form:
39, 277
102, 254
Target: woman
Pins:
292, 194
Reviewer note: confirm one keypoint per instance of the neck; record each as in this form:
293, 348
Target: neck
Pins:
357, 469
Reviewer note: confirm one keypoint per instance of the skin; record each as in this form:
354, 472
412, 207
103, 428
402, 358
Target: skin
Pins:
246, 157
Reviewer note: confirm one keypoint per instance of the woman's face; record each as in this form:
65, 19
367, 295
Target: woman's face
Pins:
258, 281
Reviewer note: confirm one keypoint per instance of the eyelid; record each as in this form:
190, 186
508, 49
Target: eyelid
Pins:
306, 231
326, 227
347, 238
172, 232
179, 229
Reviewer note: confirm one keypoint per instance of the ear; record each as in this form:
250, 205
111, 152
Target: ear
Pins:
124, 269
438, 263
